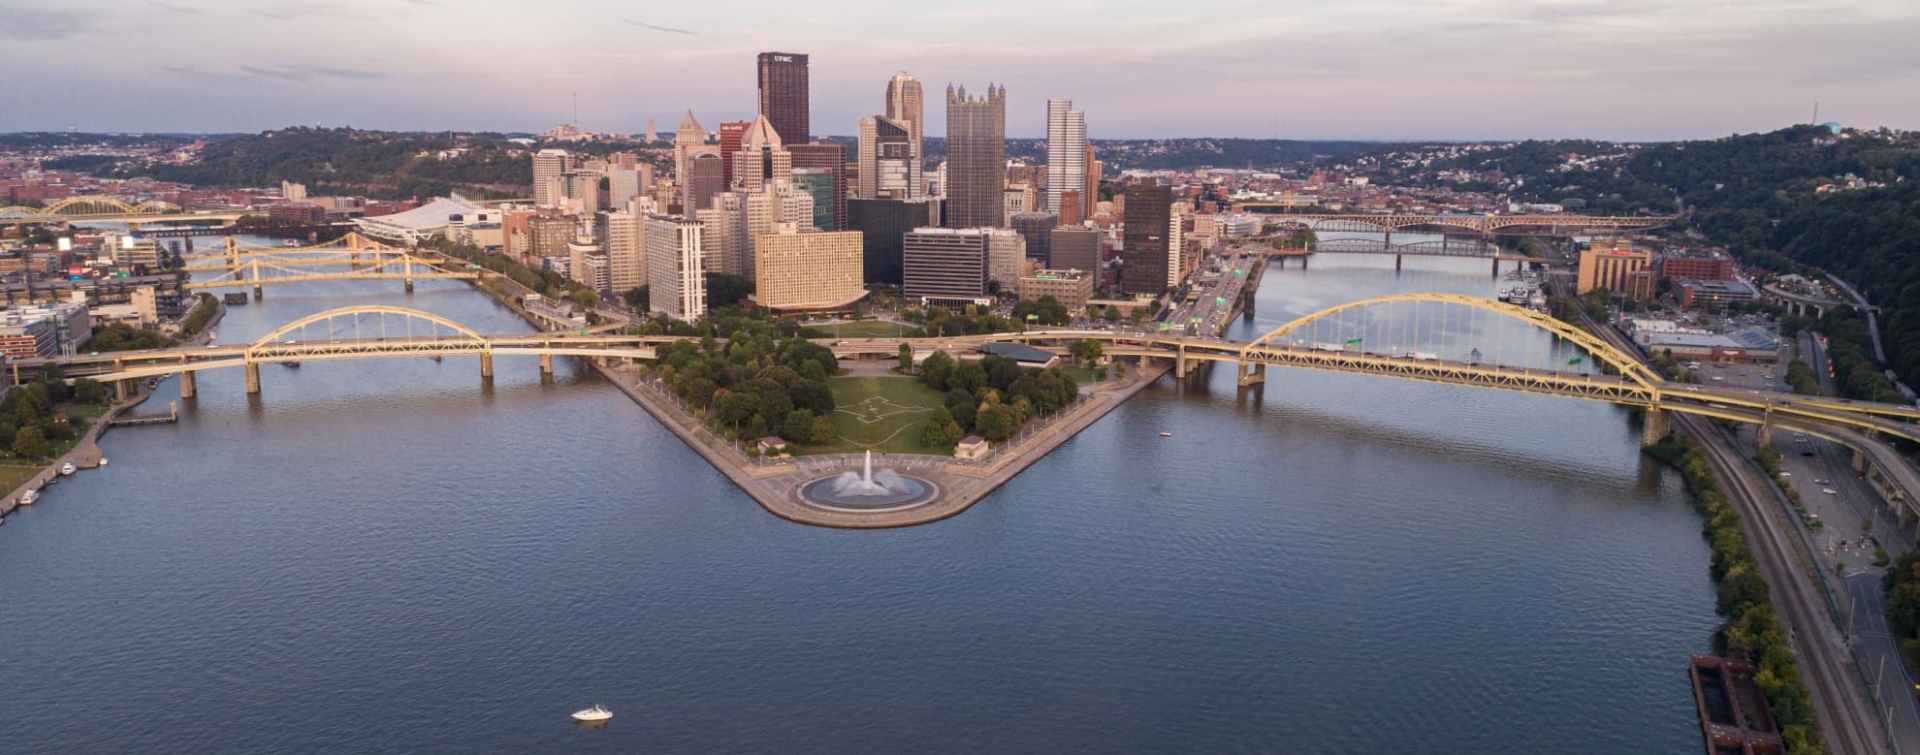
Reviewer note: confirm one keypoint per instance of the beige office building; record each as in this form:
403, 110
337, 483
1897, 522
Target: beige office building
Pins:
549, 176
626, 251
1072, 288
1616, 267
807, 270
1006, 257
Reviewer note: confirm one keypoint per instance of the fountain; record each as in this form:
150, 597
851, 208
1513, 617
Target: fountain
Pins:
867, 490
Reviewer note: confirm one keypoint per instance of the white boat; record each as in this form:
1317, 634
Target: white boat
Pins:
27, 498
1166, 435
593, 714
68, 468
103, 461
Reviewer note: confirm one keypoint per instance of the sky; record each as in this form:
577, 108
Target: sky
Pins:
1307, 69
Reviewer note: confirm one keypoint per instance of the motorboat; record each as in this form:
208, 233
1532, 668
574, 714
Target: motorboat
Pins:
1166, 435
27, 498
68, 469
594, 714
103, 461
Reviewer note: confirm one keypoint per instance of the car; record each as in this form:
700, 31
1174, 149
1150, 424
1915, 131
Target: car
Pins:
1718, 378
1806, 453
1829, 491
1786, 474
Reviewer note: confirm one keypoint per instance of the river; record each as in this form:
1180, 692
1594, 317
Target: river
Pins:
384, 557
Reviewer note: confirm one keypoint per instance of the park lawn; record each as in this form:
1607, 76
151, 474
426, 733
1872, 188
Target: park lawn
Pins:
1081, 375
884, 414
868, 329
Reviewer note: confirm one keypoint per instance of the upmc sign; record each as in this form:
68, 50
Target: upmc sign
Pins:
783, 58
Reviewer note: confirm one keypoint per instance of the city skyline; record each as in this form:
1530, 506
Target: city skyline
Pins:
1577, 69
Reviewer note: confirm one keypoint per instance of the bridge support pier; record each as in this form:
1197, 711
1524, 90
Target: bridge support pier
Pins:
546, 365
187, 388
1252, 374
1859, 462
1496, 264
1763, 435
486, 365
1180, 364
253, 377
1396, 263
120, 392
1656, 428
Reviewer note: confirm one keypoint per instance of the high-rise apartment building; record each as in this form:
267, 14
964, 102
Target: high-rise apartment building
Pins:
549, 170
624, 234
783, 94
946, 265
905, 105
626, 182
547, 237
1006, 257
688, 137
832, 158
731, 134
1066, 151
762, 161
976, 157
888, 167
769, 208
1037, 229
723, 234
676, 278
807, 270
1144, 251
578, 250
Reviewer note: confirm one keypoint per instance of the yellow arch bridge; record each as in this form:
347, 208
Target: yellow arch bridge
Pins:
1310, 342
364, 259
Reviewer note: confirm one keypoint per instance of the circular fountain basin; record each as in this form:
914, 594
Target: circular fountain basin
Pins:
902, 492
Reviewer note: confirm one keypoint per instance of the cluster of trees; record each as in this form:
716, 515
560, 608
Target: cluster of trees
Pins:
1752, 631
123, 337
548, 283
378, 163
1045, 311
1902, 586
29, 427
1802, 379
760, 383
204, 307
938, 321
1850, 352
991, 397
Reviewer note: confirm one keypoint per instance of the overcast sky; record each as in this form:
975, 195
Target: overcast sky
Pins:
1365, 69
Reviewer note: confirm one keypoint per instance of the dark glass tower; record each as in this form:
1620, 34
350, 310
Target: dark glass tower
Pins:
1143, 254
783, 95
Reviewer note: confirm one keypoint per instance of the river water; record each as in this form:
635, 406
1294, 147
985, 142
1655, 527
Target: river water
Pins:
386, 557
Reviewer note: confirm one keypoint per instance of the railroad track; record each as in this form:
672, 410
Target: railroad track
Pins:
1850, 724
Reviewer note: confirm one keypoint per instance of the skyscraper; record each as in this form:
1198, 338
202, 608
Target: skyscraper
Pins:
976, 157
1090, 199
1066, 151
829, 157
704, 179
1143, 255
946, 265
676, 279
731, 133
905, 105
883, 225
686, 138
801, 271
762, 161
549, 176
783, 94
1037, 227
888, 166
818, 183
649, 136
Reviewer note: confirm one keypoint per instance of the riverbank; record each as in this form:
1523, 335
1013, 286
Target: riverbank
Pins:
85, 453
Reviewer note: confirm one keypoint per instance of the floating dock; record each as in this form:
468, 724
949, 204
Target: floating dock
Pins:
1734, 717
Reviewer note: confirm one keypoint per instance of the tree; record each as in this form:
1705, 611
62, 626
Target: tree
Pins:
968, 376
995, 423
637, 298
31, 444
936, 369
906, 358
822, 430
1112, 314
1088, 352
90, 391
941, 429
962, 406
799, 427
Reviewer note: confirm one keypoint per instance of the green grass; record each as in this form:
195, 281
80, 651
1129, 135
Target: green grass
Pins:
1082, 375
867, 329
880, 413
12, 475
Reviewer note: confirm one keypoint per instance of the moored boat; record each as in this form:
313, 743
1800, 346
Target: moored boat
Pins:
594, 714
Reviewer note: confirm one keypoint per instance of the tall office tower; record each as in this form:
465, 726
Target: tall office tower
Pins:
1006, 257
905, 104
730, 135
762, 160
1144, 252
976, 157
888, 167
1066, 151
819, 184
583, 191
829, 157
783, 95
883, 224
625, 239
705, 178
770, 207
1037, 229
626, 182
807, 271
1090, 198
549, 167
1071, 208
676, 279
578, 250
1074, 248
1176, 244
688, 137
723, 234
946, 265
649, 136
547, 237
